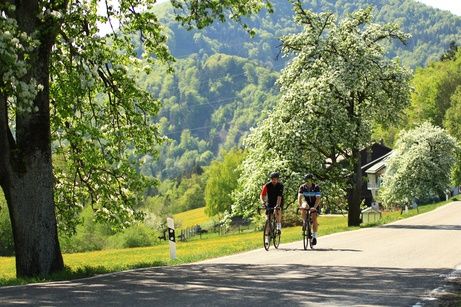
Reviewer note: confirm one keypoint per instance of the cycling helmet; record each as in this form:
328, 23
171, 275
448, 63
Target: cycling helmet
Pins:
275, 175
309, 176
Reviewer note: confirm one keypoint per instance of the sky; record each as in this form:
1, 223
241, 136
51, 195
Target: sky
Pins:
454, 6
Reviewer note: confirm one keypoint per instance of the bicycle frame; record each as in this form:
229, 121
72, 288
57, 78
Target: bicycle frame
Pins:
270, 230
307, 229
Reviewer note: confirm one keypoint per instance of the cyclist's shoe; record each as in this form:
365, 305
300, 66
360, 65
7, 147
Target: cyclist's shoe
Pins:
279, 231
314, 241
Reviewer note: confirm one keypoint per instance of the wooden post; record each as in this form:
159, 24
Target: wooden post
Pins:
171, 237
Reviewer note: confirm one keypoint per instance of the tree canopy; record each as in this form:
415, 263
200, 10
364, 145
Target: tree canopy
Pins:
420, 165
338, 83
66, 93
222, 177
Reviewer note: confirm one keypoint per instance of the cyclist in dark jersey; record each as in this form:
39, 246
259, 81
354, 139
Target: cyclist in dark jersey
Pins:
271, 196
309, 197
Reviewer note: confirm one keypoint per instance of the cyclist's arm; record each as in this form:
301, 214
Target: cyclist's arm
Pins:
279, 201
263, 195
300, 199
279, 197
317, 199
317, 202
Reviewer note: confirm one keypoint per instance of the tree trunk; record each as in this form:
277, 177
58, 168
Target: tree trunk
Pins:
355, 194
31, 206
26, 172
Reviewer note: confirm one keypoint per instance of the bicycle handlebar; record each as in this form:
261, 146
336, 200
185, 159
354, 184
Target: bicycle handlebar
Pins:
265, 207
305, 209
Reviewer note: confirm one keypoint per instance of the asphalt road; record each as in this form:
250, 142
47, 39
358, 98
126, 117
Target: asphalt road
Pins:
400, 264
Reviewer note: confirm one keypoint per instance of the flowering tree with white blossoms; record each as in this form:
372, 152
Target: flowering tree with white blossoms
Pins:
337, 85
67, 96
420, 165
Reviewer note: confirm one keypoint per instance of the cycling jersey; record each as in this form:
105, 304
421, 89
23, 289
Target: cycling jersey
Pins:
310, 193
272, 192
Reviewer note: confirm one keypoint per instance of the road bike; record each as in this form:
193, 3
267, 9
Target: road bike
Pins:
270, 232
307, 229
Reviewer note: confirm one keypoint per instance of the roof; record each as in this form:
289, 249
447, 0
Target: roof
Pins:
376, 168
377, 164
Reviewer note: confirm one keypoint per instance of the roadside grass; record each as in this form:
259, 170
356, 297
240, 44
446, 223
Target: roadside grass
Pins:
394, 215
192, 217
80, 265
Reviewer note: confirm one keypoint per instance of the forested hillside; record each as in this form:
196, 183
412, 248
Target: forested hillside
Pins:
210, 101
432, 31
224, 80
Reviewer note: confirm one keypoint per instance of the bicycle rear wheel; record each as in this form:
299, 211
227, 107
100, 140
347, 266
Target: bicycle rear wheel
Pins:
266, 235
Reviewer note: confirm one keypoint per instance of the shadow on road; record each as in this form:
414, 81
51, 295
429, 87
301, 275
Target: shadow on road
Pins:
315, 249
424, 227
236, 285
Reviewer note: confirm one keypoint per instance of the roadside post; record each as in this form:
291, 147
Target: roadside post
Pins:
171, 237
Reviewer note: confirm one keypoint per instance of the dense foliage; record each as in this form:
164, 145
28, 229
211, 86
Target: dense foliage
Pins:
420, 165
435, 99
6, 236
222, 177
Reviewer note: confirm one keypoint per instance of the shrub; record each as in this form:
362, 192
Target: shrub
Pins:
6, 234
135, 236
90, 235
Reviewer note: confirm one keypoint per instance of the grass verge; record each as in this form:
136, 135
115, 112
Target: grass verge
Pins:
192, 217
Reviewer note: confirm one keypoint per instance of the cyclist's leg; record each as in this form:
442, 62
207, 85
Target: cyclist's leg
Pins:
304, 212
266, 229
315, 224
278, 218
269, 215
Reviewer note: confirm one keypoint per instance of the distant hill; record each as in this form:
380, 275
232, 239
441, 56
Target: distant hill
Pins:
224, 81
432, 31
211, 101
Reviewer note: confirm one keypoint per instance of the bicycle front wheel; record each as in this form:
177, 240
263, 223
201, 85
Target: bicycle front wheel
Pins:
305, 238
276, 238
266, 235
309, 234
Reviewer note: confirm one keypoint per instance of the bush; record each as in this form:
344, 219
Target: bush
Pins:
90, 235
135, 236
6, 234
291, 217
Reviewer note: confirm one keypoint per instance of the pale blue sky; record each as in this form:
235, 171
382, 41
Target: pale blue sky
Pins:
454, 6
